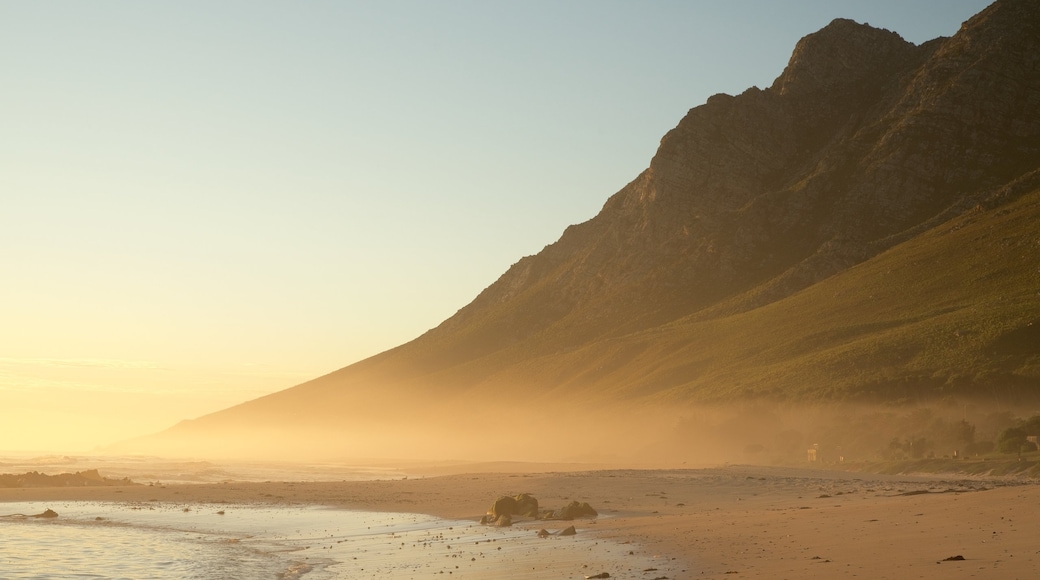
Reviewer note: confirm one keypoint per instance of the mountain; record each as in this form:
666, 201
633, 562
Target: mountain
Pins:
865, 229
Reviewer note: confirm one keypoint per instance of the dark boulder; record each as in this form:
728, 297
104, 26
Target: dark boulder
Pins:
574, 510
503, 521
504, 505
524, 504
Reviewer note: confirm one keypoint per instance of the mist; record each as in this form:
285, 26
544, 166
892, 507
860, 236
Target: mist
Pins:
404, 429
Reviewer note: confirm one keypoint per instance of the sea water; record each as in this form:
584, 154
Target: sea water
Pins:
170, 471
110, 541
165, 541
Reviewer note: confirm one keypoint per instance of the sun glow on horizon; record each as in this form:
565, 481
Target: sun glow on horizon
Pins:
78, 405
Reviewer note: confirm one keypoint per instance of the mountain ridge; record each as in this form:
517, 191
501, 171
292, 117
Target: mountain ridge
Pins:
864, 145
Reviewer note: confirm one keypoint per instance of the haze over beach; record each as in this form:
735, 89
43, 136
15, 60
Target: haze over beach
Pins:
591, 290
204, 204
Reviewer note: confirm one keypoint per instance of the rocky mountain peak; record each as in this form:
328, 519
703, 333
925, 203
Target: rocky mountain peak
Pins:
1003, 19
839, 57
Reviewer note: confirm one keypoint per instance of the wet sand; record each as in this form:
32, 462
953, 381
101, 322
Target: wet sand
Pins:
737, 521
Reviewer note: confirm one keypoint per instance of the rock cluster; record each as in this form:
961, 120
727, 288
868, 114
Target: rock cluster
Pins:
501, 512
90, 477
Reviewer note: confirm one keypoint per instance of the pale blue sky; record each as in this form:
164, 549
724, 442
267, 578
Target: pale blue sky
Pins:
215, 200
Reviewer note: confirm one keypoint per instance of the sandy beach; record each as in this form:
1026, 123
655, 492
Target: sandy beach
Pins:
747, 521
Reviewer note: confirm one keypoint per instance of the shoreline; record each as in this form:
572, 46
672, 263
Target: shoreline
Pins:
298, 541
762, 522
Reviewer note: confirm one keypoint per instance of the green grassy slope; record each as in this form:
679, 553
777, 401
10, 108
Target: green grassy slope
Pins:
955, 310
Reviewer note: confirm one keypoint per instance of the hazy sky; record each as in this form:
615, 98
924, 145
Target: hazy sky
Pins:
203, 202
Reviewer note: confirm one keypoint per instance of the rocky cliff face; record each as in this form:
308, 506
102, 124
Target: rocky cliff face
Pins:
863, 142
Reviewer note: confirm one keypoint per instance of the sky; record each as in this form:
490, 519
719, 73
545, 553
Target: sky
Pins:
205, 202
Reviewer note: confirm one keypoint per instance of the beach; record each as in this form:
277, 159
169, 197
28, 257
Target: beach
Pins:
731, 521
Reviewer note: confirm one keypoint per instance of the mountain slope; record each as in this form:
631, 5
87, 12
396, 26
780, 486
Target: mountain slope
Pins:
865, 228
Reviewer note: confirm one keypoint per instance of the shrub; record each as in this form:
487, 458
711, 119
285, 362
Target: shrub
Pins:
1032, 425
1011, 440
